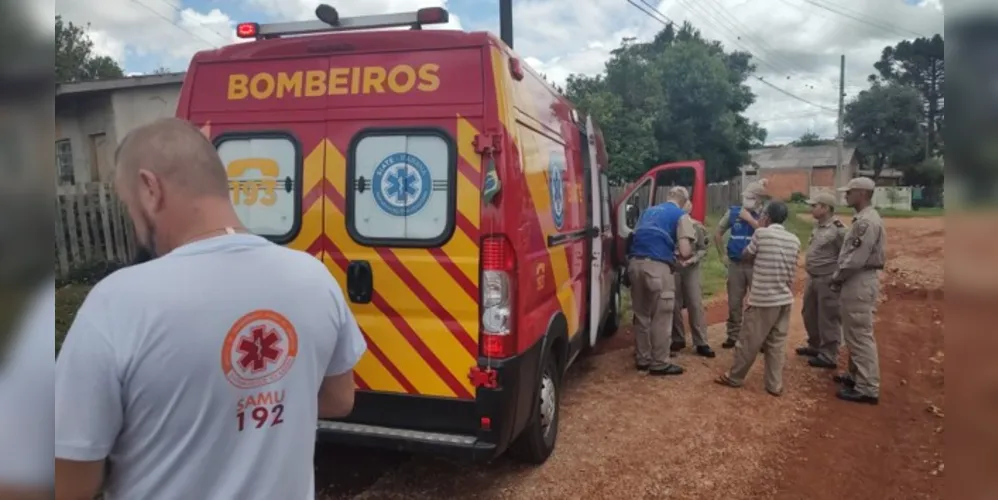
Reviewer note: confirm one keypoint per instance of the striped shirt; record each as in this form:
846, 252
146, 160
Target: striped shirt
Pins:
775, 250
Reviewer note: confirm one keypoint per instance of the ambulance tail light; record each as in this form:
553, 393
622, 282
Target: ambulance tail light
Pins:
247, 30
498, 283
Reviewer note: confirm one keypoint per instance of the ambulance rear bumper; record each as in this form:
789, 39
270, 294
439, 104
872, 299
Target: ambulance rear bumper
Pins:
445, 426
459, 446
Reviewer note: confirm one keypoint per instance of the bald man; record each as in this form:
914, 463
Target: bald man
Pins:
201, 372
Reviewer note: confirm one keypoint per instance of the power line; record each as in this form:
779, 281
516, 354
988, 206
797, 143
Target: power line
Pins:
791, 117
735, 40
199, 23
783, 91
173, 22
869, 21
745, 32
654, 16
788, 94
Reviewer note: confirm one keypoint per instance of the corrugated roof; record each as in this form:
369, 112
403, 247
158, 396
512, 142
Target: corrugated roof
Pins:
799, 157
120, 83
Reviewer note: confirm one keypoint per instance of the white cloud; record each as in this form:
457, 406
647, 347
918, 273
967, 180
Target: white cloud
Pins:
160, 28
106, 45
296, 10
799, 44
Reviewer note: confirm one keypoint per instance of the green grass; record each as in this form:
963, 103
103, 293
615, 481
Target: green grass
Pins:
714, 272
905, 214
846, 212
67, 301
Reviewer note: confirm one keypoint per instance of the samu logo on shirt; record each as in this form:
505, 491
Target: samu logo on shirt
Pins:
259, 350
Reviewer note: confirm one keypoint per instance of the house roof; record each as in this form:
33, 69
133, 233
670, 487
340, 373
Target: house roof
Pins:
799, 156
119, 83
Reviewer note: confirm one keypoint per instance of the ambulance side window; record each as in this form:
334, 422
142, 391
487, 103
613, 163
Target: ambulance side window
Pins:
264, 171
401, 187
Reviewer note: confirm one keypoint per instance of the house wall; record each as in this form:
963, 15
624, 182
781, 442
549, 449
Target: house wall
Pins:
76, 120
823, 177
95, 122
138, 106
784, 182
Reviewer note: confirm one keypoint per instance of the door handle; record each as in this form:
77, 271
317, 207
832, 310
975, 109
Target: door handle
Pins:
360, 281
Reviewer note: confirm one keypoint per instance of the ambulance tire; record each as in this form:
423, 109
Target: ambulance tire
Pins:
535, 444
612, 321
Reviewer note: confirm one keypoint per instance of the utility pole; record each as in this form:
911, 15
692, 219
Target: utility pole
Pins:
506, 21
840, 178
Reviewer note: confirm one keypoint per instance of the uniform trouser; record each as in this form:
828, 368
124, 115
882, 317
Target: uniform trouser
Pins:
822, 318
858, 305
689, 294
764, 326
739, 279
652, 300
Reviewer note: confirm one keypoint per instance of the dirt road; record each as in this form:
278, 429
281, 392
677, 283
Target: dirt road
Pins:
625, 435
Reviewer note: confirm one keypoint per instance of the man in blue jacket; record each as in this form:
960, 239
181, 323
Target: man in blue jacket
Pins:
741, 221
662, 232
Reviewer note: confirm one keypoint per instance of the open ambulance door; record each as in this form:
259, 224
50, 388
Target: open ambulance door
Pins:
651, 189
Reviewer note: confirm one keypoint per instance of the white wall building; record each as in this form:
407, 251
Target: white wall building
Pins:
92, 117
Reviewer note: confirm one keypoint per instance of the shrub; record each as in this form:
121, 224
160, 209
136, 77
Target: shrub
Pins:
89, 274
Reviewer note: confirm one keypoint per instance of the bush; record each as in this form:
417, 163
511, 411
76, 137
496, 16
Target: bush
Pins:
90, 274
797, 197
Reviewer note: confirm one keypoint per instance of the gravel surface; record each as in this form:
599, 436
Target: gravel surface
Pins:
627, 435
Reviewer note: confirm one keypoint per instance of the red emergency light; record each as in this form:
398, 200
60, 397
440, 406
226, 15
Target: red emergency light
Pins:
247, 30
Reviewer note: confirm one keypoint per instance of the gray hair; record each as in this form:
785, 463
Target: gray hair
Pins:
678, 194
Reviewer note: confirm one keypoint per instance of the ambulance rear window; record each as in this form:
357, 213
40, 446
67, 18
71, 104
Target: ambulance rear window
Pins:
400, 188
264, 171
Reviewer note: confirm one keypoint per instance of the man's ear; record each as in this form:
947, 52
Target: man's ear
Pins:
150, 189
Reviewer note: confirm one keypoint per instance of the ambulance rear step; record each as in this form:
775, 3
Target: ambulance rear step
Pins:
390, 432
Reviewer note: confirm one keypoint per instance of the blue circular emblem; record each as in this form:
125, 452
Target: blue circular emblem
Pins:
401, 184
556, 187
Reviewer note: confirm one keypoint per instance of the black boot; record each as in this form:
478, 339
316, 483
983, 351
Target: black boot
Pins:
851, 395
705, 351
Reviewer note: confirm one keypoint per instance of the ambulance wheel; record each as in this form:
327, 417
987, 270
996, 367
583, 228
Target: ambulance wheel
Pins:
536, 442
612, 321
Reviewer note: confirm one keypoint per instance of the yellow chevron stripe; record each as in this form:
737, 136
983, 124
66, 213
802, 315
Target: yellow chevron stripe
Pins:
430, 329
311, 220
369, 368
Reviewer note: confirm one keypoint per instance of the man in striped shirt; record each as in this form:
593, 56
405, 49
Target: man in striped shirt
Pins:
774, 251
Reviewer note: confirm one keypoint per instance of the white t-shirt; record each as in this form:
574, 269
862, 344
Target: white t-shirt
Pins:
197, 374
26, 414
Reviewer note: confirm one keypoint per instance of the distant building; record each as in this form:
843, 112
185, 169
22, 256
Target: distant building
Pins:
793, 169
91, 117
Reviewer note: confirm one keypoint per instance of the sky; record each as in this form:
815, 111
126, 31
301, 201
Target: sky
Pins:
797, 44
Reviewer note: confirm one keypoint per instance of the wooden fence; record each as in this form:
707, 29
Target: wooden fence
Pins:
720, 196
91, 227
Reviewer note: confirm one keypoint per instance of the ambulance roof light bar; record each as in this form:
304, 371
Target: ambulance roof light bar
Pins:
329, 20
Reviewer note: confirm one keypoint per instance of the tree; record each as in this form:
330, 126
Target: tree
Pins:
75, 60
677, 97
162, 70
919, 64
885, 123
810, 138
